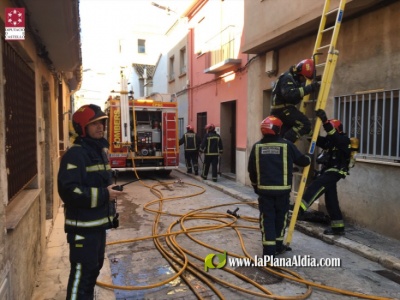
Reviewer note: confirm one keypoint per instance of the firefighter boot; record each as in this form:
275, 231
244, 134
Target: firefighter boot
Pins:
331, 231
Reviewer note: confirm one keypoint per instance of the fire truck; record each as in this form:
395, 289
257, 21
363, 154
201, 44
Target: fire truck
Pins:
143, 133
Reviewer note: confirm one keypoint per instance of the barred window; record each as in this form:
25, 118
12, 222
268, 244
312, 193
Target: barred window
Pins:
374, 118
20, 121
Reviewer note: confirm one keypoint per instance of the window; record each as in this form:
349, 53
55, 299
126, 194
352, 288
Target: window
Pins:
374, 118
171, 68
182, 61
20, 121
141, 46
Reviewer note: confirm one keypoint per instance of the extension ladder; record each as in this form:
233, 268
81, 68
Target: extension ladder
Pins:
325, 34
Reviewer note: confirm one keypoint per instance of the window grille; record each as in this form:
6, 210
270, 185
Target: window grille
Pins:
20, 121
374, 118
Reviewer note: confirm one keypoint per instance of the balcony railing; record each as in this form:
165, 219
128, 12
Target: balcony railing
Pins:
221, 51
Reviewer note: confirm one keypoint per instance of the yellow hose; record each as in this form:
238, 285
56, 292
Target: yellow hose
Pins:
177, 256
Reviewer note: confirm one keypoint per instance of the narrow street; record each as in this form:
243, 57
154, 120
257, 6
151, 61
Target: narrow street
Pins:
136, 269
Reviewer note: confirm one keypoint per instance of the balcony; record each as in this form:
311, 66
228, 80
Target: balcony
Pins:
221, 51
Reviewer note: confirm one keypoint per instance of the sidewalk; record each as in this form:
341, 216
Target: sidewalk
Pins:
51, 281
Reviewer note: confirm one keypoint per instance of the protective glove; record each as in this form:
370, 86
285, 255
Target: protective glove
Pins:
320, 113
315, 86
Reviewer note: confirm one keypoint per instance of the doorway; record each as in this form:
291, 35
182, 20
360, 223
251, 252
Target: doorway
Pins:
228, 136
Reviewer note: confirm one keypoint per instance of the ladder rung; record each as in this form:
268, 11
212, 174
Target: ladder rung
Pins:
328, 29
320, 65
323, 47
332, 11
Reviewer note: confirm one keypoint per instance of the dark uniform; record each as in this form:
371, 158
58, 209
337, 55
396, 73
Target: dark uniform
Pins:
270, 169
83, 178
212, 148
191, 142
335, 160
287, 93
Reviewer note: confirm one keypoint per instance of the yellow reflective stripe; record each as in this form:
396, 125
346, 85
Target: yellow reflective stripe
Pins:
99, 167
332, 131
71, 166
94, 195
337, 223
274, 187
194, 141
209, 144
301, 92
269, 243
77, 191
336, 170
75, 283
89, 223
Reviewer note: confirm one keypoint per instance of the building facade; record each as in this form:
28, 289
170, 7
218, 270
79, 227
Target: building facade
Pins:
216, 80
364, 94
39, 77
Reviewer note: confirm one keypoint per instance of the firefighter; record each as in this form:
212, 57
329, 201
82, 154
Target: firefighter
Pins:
211, 146
191, 143
288, 91
85, 186
335, 160
270, 170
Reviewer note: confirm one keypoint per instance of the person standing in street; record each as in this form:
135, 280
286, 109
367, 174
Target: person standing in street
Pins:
191, 143
85, 186
288, 91
212, 148
335, 160
270, 170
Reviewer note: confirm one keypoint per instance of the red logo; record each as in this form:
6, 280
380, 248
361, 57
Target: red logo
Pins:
15, 17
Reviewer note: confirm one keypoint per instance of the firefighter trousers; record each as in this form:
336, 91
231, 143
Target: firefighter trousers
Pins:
295, 123
273, 219
326, 184
213, 161
86, 257
192, 161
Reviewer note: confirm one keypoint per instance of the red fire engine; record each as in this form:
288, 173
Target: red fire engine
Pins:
143, 134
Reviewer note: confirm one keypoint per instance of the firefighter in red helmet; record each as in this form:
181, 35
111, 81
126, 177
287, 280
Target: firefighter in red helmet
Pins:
212, 148
85, 186
270, 170
335, 160
191, 143
288, 91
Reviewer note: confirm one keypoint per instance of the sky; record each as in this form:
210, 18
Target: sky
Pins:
103, 24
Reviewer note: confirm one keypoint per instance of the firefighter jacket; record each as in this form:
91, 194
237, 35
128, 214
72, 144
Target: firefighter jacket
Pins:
211, 144
337, 151
270, 165
288, 90
83, 178
191, 141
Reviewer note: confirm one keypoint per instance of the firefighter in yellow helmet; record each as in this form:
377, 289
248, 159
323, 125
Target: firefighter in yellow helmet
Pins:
270, 170
85, 186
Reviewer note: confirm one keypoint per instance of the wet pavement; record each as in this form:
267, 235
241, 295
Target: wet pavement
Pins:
131, 264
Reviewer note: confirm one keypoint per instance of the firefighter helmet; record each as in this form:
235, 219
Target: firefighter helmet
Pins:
85, 115
306, 68
337, 124
210, 127
189, 128
271, 125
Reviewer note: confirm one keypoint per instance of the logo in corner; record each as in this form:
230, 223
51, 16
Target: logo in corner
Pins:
15, 23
